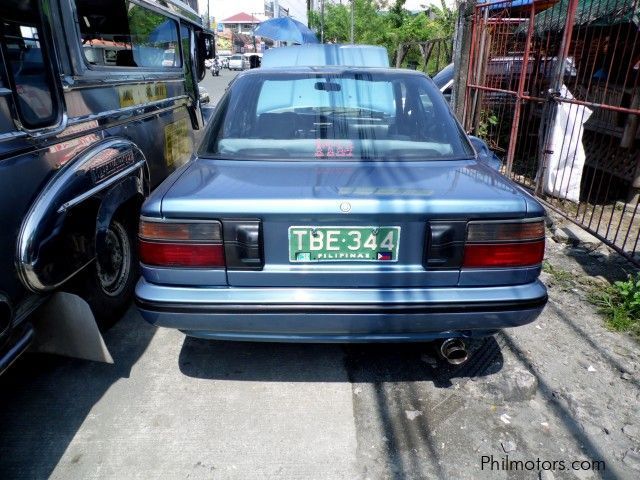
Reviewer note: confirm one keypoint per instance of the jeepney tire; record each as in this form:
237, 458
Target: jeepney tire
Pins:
109, 289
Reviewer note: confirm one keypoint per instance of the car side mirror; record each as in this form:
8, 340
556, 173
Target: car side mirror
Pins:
204, 95
205, 50
485, 155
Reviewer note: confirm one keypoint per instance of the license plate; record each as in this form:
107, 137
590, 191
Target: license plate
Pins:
308, 244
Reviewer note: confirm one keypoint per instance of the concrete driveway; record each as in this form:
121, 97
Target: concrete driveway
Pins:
173, 407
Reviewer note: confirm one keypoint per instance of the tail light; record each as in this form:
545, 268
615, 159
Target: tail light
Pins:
504, 244
196, 244
230, 244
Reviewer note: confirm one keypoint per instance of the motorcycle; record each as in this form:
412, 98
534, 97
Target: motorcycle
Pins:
215, 69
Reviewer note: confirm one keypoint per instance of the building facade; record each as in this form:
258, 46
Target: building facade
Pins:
222, 10
234, 22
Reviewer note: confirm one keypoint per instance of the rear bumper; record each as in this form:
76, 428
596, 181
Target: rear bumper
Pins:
339, 315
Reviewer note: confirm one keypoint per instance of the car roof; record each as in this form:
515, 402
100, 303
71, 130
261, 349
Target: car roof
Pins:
326, 55
444, 76
329, 69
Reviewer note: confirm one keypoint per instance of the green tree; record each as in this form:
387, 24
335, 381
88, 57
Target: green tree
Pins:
143, 22
380, 22
337, 21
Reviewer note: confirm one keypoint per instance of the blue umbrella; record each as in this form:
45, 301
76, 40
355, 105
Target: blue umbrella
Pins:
164, 33
286, 29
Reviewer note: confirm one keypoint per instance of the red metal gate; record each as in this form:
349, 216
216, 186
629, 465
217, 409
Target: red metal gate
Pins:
553, 87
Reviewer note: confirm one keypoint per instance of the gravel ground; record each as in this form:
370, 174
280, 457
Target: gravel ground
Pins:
561, 389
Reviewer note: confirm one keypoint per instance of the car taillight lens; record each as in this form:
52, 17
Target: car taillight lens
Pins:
181, 244
504, 244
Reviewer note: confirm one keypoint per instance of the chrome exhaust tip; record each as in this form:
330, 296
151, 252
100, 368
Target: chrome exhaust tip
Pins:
454, 351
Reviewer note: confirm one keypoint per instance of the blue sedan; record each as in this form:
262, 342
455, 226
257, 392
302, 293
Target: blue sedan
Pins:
339, 204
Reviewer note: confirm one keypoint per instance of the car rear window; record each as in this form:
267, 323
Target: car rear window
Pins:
335, 116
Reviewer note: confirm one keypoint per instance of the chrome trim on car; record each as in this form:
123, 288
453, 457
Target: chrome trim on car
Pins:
176, 220
510, 220
16, 349
339, 309
51, 201
139, 110
366, 296
89, 193
4, 300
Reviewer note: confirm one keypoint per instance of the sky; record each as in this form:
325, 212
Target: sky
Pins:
416, 4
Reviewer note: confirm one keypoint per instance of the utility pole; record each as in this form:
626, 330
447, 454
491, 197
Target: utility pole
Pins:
321, 21
461, 49
353, 21
253, 32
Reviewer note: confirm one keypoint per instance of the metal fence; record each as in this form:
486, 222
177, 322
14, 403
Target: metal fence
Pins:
553, 87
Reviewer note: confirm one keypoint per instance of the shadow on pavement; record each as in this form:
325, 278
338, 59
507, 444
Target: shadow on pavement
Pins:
387, 381
399, 414
612, 267
44, 399
290, 362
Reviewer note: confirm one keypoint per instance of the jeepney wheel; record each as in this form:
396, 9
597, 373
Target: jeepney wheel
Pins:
113, 273
109, 285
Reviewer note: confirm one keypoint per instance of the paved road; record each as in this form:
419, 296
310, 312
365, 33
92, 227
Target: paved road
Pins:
175, 407
217, 85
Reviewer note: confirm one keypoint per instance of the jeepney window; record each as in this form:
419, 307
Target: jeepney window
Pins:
27, 65
124, 34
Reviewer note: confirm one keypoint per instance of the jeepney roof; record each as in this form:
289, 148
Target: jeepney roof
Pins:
314, 55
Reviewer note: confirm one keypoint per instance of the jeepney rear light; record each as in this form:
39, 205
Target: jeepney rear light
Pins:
188, 244
504, 244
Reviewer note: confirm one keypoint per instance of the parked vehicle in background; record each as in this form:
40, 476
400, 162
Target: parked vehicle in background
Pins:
251, 60
235, 62
504, 72
170, 59
335, 203
98, 104
444, 81
224, 62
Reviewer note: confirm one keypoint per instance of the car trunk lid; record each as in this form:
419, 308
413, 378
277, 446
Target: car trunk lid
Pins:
295, 201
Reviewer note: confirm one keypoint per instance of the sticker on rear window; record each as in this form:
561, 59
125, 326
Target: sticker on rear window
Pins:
334, 148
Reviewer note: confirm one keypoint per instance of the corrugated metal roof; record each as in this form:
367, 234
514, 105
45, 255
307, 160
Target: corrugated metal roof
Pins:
508, 3
589, 12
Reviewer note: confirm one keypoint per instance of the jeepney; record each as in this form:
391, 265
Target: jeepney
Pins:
99, 102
